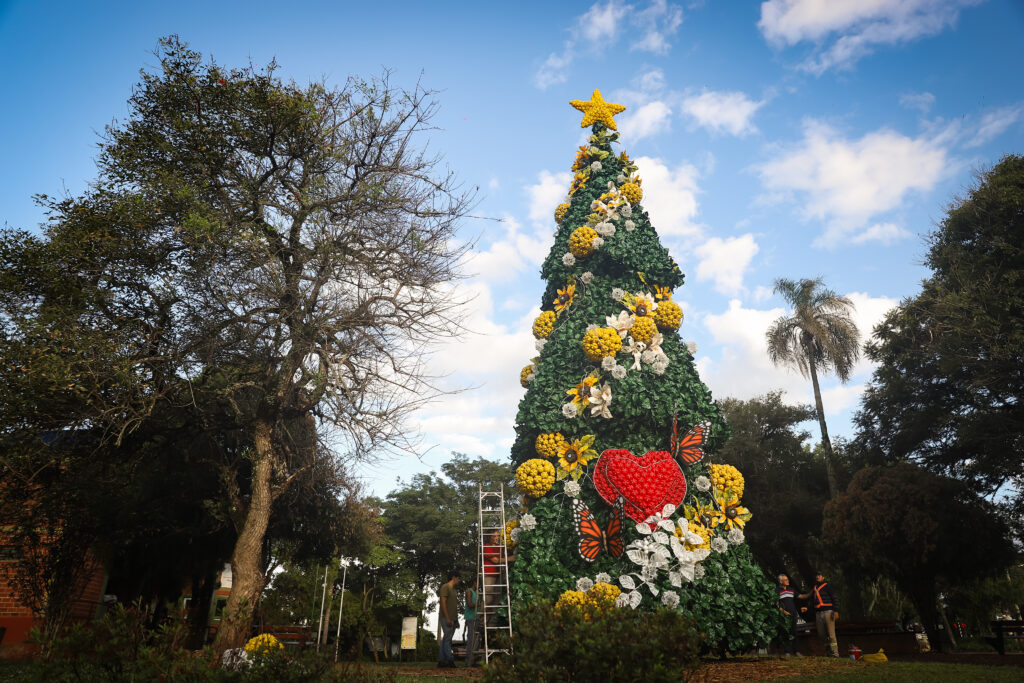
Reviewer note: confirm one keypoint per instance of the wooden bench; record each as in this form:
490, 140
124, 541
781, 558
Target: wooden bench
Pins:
1002, 629
290, 636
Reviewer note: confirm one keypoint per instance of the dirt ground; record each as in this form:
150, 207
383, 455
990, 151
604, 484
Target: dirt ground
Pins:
742, 669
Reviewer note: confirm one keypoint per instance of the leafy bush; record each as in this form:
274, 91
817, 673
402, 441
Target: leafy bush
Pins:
427, 647
119, 647
605, 645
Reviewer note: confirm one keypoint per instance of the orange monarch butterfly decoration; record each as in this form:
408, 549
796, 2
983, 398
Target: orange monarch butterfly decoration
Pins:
690, 448
594, 539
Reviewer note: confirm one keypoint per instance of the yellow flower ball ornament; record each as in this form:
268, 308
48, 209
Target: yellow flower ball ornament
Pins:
575, 600
632, 192
668, 315
604, 594
526, 375
509, 526
544, 325
644, 329
725, 477
535, 477
263, 644
601, 342
581, 241
560, 211
549, 444
698, 529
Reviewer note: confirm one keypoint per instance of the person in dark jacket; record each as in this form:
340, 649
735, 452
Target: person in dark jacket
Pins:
787, 603
826, 607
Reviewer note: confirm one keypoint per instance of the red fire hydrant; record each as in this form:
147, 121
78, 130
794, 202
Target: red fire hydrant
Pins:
854, 652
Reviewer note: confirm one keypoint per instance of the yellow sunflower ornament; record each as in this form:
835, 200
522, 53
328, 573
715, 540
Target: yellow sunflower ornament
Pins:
581, 392
565, 297
729, 513
574, 455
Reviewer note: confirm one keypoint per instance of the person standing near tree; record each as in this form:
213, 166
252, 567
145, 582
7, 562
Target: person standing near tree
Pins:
471, 600
826, 606
787, 603
449, 616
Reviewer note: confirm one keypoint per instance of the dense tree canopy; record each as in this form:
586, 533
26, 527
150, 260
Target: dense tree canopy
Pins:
282, 251
785, 480
433, 518
949, 387
919, 529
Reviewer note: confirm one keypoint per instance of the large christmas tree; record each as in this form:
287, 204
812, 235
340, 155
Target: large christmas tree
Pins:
621, 507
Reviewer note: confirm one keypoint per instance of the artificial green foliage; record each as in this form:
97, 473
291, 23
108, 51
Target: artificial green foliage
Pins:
612, 645
732, 603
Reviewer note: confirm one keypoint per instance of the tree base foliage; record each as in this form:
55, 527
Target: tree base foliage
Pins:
550, 644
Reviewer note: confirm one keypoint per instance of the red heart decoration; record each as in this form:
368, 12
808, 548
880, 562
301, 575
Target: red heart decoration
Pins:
645, 484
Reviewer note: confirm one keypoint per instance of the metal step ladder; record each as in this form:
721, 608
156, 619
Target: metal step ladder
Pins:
495, 610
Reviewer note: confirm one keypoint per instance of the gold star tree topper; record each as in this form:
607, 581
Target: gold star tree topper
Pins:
596, 109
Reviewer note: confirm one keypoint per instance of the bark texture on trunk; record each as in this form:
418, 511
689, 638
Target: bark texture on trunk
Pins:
826, 445
246, 577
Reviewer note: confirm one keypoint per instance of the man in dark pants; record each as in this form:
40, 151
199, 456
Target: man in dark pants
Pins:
787, 603
826, 606
448, 615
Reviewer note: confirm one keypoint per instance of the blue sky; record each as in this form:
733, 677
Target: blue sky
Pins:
789, 138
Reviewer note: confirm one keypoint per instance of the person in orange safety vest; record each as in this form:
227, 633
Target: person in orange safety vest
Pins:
826, 606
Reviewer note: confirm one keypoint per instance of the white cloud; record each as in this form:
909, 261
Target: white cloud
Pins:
509, 254
601, 22
722, 112
600, 28
554, 70
725, 261
670, 196
647, 120
651, 80
843, 32
549, 192
995, 123
744, 370
847, 182
922, 101
658, 23
886, 233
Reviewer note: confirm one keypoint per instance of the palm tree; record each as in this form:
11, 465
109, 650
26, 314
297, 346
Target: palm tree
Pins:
818, 336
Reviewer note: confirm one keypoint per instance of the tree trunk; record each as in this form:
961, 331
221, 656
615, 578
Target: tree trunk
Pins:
925, 598
826, 445
246, 578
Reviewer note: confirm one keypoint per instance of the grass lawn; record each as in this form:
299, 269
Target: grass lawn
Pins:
916, 672
822, 669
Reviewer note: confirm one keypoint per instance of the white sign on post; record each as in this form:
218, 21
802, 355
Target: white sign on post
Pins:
409, 633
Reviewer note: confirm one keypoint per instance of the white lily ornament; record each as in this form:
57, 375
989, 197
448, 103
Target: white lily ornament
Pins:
655, 346
621, 323
600, 399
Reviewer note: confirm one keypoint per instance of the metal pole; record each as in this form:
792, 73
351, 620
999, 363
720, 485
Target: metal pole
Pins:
323, 601
341, 606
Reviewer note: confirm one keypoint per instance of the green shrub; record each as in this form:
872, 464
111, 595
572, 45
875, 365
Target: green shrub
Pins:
427, 647
607, 646
119, 647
